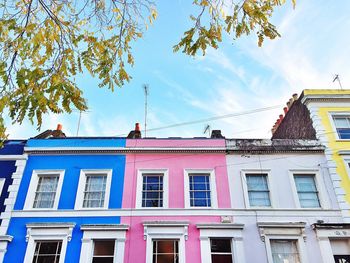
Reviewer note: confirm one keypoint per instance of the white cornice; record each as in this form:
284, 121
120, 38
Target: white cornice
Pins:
219, 226
13, 157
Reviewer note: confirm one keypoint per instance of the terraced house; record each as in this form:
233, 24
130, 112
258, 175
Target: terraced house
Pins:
185, 200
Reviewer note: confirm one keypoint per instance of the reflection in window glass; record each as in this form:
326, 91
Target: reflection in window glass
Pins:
221, 250
103, 251
165, 251
47, 251
258, 190
200, 190
284, 251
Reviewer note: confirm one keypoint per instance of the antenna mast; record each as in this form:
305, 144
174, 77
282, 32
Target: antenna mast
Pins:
79, 123
207, 129
146, 90
336, 77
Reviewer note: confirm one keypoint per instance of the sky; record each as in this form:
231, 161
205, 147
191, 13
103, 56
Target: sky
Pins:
238, 79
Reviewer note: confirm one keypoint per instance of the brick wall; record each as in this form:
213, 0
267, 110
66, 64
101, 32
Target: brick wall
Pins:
297, 124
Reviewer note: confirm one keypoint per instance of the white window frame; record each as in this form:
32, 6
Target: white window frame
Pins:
245, 187
2, 183
320, 186
100, 233
160, 230
284, 231
325, 235
213, 192
222, 230
47, 232
140, 174
81, 187
332, 122
29, 202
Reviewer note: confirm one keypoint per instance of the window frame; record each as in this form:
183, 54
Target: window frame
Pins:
284, 231
165, 230
244, 173
213, 192
320, 186
333, 125
231, 231
79, 201
139, 187
34, 180
47, 232
103, 232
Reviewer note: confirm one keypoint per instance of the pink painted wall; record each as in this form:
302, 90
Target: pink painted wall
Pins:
175, 143
176, 163
135, 245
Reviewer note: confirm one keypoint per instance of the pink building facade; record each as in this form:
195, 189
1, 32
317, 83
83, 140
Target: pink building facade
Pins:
194, 189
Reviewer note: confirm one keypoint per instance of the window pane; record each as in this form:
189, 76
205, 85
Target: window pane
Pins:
258, 190
257, 182
307, 191
103, 260
104, 247
165, 251
46, 191
221, 258
220, 245
284, 251
221, 250
95, 188
341, 122
344, 133
199, 190
152, 190
47, 252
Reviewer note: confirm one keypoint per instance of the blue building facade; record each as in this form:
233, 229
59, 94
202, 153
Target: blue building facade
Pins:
64, 198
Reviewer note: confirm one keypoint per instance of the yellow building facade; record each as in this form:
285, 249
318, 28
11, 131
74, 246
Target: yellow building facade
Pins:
330, 114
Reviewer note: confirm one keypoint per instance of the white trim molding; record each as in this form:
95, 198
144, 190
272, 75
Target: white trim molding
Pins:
47, 231
139, 186
81, 187
11, 199
28, 205
293, 231
4, 240
213, 193
319, 183
158, 230
221, 230
103, 232
326, 232
266, 172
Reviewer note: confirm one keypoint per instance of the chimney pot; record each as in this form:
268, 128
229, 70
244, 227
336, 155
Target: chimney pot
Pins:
137, 126
59, 127
295, 96
281, 117
285, 109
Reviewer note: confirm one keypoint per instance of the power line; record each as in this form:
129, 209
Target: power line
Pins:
258, 110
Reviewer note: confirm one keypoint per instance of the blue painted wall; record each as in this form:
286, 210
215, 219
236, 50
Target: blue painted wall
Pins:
17, 248
72, 164
77, 142
7, 168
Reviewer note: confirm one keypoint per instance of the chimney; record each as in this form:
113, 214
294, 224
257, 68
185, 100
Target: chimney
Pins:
135, 134
58, 133
216, 134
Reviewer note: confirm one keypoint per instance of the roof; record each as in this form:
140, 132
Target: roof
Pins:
274, 145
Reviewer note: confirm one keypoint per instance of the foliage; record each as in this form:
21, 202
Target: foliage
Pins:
44, 44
